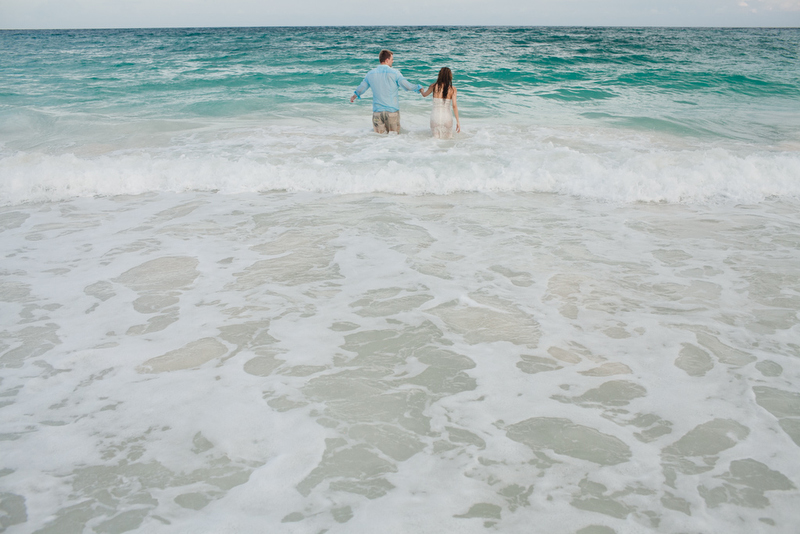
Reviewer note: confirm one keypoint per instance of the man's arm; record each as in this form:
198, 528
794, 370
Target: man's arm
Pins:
360, 90
408, 86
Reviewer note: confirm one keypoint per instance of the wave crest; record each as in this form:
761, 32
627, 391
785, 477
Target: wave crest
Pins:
485, 161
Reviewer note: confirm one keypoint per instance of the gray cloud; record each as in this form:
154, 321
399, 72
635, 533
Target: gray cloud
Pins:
183, 13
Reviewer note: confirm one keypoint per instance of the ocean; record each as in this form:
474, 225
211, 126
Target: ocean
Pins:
226, 305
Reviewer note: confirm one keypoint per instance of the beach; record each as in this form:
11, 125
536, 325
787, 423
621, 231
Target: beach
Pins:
228, 306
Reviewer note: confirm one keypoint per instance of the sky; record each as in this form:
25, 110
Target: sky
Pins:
51, 14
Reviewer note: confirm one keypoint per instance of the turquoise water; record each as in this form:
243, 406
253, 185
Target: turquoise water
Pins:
254, 95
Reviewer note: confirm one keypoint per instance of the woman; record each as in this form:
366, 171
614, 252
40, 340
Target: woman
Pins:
444, 96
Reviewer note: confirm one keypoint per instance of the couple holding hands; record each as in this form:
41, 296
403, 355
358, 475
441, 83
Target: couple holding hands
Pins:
385, 82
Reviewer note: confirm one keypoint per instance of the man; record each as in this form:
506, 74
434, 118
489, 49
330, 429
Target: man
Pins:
384, 82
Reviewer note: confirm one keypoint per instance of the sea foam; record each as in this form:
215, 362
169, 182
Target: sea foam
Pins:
306, 361
590, 164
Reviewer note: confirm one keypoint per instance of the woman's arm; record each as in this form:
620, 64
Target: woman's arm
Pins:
429, 90
455, 110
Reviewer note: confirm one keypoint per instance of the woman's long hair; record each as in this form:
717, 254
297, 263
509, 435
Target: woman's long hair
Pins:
445, 81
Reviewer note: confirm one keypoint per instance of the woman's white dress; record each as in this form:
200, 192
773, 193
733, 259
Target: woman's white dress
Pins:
442, 118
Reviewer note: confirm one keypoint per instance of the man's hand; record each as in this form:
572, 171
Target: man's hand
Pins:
353, 98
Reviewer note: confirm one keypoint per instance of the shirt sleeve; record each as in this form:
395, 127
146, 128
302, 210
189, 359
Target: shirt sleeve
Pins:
361, 88
408, 86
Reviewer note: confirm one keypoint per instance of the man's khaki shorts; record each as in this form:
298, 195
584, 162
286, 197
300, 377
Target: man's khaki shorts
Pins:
385, 121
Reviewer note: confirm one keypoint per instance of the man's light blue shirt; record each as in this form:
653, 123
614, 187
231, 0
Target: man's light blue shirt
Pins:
384, 82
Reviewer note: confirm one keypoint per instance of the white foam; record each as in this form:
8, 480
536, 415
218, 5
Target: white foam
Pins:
471, 286
604, 165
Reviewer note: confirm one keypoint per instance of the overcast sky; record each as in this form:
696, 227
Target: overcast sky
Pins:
204, 13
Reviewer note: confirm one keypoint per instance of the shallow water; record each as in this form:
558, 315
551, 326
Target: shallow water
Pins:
227, 306
298, 362
698, 115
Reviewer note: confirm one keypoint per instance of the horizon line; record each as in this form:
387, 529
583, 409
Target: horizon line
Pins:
277, 26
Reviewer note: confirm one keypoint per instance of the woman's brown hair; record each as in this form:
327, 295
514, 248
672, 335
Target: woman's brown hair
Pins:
445, 81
